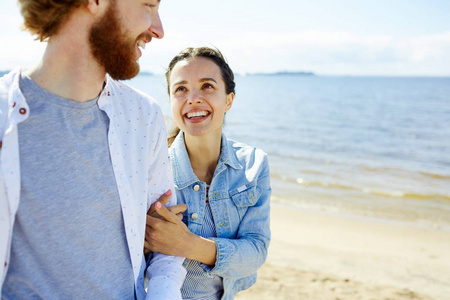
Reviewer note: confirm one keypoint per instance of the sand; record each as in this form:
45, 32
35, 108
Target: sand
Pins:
320, 256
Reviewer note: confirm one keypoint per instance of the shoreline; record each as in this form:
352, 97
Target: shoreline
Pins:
316, 255
368, 216
398, 212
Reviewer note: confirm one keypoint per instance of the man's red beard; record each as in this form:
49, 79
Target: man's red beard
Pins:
112, 48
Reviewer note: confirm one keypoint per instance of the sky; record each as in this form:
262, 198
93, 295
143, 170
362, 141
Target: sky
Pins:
327, 37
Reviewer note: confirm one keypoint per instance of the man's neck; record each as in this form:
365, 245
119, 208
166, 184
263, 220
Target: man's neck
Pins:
68, 68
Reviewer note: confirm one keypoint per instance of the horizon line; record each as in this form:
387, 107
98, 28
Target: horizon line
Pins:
293, 73
313, 74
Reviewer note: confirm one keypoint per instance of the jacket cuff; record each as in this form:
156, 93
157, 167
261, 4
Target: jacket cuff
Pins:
224, 255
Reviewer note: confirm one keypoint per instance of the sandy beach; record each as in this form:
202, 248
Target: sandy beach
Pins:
321, 256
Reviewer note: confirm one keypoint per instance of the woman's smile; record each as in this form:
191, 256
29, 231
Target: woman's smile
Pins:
198, 97
197, 115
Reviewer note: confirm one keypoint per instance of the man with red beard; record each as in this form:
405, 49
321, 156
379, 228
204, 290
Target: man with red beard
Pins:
82, 158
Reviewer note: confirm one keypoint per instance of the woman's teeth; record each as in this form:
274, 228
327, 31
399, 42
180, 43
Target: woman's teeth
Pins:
196, 114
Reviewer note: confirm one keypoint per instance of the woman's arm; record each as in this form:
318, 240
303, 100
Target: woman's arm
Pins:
172, 237
245, 254
225, 257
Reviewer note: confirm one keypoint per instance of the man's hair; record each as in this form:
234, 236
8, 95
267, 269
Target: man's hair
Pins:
44, 17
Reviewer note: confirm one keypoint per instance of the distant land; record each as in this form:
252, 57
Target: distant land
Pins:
284, 73
146, 73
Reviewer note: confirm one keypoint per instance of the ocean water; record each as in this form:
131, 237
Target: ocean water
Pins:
374, 147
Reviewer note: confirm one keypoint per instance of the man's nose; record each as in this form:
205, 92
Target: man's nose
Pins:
156, 29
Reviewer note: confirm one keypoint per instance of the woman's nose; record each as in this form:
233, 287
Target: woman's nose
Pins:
194, 98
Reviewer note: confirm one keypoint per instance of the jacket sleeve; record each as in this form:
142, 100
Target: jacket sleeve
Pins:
165, 273
244, 255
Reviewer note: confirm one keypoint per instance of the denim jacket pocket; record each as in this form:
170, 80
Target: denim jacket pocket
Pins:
246, 195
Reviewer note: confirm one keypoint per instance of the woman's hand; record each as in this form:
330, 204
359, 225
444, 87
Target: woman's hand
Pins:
166, 233
164, 199
175, 209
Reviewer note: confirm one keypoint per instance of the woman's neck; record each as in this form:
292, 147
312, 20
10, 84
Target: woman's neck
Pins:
204, 152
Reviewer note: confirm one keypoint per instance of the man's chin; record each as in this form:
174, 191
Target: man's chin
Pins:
129, 72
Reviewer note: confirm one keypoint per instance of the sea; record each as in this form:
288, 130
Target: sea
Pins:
363, 147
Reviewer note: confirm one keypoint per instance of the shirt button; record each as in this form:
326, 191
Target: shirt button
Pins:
194, 216
1, 144
14, 104
23, 111
196, 187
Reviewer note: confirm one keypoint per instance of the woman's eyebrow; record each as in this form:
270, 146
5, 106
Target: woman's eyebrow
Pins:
180, 82
207, 79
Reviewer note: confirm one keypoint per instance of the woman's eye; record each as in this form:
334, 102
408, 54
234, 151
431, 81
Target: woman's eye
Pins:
180, 89
208, 86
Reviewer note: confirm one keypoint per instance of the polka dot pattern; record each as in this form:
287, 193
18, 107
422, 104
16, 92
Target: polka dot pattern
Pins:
138, 152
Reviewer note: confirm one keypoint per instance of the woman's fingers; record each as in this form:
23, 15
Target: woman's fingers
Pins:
166, 234
165, 213
147, 249
164, 199
177, 209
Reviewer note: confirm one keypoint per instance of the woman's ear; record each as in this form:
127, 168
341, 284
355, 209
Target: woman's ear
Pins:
229, 103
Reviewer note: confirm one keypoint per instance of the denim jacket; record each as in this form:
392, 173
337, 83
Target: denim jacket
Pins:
239, 197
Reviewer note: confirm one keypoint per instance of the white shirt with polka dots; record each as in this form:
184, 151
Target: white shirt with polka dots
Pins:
138, 152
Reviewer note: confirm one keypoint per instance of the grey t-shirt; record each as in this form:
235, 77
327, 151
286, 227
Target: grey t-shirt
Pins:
69, 239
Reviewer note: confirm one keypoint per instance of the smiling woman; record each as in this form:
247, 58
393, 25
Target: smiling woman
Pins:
208, 75
225, 184
198, 97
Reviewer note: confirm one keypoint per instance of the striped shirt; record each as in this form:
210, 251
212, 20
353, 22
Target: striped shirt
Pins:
198, 284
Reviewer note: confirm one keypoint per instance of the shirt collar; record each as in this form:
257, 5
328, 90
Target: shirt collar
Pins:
106, 93
228, 155
18, 108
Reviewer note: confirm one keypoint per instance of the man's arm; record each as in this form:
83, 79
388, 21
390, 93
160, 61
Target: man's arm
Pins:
166, 273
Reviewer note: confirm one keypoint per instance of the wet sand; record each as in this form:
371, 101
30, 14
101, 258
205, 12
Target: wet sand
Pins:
319, 256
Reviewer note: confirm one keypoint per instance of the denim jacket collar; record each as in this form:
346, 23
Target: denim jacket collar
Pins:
181, 165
